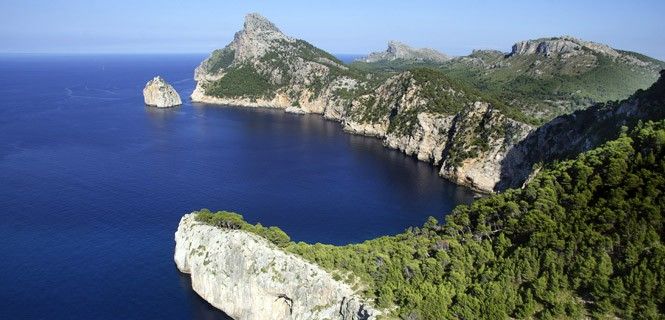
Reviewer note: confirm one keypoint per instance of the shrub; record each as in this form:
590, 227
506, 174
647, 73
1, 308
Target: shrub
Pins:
232, 220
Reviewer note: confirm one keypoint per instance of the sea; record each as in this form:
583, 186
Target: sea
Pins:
93, 184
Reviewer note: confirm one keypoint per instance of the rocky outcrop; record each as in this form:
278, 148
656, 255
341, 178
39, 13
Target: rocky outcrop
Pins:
286, 73
560, 45
158, 93
428, 141
470, 141
400, 51
567, 46
248, 277
479, 143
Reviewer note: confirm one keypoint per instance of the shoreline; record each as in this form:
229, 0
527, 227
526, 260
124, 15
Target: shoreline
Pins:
478, 193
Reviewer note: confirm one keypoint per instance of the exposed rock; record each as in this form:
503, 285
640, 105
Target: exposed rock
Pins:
428, 140
158, 93
561, 45
400, 51
250, 278
294, 69
479, 167
470, 144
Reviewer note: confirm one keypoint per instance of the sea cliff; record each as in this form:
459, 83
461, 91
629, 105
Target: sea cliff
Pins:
419, 112
248, 277
434, 113
158, 93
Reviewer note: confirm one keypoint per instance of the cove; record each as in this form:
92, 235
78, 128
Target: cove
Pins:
93, 184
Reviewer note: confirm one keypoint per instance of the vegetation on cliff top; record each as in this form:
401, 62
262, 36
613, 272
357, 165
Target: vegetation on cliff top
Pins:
583, 239
234, 221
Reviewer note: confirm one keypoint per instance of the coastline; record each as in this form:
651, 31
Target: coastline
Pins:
198, 97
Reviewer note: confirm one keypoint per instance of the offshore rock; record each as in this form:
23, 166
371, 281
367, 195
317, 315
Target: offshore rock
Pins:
158, 93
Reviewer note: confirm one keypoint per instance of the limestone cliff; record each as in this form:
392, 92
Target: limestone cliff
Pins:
424, 114
567, 45
248, 277
158, 93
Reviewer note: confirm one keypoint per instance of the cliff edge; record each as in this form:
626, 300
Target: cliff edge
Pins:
248, 277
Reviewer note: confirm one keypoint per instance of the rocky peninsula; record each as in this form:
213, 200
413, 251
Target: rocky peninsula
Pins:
468, 133
158, 93
248, 277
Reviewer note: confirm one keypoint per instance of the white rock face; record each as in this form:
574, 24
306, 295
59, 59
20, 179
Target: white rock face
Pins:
158, 93
249, 278
445, 139
483, 171
429, 139
397, 50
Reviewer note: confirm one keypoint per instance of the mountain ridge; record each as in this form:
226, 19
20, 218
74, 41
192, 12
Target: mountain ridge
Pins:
432, 113
399, 51
545, 77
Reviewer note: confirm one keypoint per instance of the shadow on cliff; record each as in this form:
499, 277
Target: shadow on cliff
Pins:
200, 309
566, 136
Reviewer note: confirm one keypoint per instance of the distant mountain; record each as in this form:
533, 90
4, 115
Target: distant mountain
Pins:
542, 77
400, 51
551, 76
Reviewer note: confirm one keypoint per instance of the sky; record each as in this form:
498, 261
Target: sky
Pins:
351, 27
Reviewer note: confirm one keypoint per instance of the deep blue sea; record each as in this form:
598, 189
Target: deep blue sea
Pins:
93, 184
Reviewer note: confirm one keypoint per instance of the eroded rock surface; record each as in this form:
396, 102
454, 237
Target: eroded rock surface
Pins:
250, 278
158, 93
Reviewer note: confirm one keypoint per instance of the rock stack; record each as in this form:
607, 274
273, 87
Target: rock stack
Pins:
158, 93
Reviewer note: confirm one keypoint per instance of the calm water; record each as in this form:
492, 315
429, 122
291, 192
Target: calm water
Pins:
93, 184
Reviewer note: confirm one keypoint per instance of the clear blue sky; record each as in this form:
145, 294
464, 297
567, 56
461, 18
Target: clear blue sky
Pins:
356, 26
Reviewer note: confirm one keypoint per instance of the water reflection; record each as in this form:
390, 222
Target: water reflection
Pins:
304, 161
159, 115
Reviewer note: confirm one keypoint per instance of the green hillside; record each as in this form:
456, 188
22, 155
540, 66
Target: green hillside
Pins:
584, 239
542, 86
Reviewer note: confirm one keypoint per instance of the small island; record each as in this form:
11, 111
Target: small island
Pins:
158, 93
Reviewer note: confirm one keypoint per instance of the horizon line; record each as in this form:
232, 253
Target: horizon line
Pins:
132, 53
